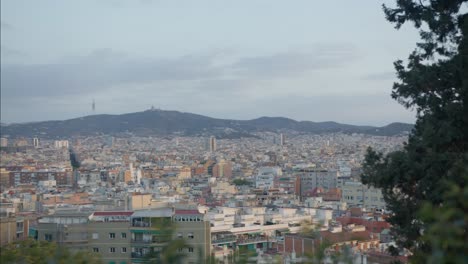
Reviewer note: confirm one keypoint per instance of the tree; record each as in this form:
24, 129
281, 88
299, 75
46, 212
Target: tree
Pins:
43, 252
169, 253
240, 182
424, 184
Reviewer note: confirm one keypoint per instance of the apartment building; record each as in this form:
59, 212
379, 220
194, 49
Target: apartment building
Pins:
128, 237
192, 226
18, 178
356, 194
109, 236
152, 229
13, 228
310, 179
68, 228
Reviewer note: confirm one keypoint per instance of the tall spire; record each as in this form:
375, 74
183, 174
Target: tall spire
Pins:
93, 106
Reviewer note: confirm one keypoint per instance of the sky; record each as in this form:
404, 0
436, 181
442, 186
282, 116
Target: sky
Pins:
305, 60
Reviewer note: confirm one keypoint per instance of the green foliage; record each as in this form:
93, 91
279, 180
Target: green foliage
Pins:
439, 18
239, 182
424, 184
170, 251
242, 256
42, 252
447, 235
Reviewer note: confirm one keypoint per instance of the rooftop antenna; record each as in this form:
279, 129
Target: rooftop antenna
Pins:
93, 106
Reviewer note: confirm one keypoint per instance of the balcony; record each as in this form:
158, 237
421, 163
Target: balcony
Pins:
139, 255
150, 241
252, 240
223, 240
140, 224
141, 241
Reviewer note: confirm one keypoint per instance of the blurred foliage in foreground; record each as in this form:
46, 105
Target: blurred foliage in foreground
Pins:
42, 252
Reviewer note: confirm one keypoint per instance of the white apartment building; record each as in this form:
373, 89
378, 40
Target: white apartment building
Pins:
360, 195
61, 144
266, 177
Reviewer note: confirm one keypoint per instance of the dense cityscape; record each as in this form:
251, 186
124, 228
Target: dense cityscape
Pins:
101, 194
234, 132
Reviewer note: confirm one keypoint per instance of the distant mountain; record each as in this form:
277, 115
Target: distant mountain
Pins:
160, 122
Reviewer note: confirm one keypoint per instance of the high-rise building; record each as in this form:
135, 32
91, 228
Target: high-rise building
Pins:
21, 142
36, 142
222, 169
3, 142
212, 144
282, 139
61, 143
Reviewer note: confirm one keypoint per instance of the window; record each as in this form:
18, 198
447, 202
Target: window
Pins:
112, 250
179, 235
180, 250
96, 250
111, 235
124, 250
190, 235
48, 237
95, 235
123, 235
190, 249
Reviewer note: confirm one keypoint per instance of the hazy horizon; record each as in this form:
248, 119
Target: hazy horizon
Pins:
216, 117
327, 61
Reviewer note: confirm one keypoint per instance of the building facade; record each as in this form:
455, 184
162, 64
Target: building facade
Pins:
356, 194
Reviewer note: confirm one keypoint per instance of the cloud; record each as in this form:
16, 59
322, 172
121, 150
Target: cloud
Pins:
105, 69
381, 76
10, 52
124, 3
294, 63
5, 26
219, 80
101, 70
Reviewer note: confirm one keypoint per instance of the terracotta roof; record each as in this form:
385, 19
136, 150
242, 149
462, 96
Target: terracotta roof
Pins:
345, 236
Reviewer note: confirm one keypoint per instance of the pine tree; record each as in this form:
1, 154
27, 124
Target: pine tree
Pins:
424, 184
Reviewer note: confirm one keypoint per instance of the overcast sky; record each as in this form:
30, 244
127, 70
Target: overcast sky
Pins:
306, 60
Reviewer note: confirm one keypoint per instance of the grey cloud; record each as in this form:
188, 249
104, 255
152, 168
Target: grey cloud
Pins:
123, 3
381, 76
104, 69
6, 26
293, 63
10, 52
101, 70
